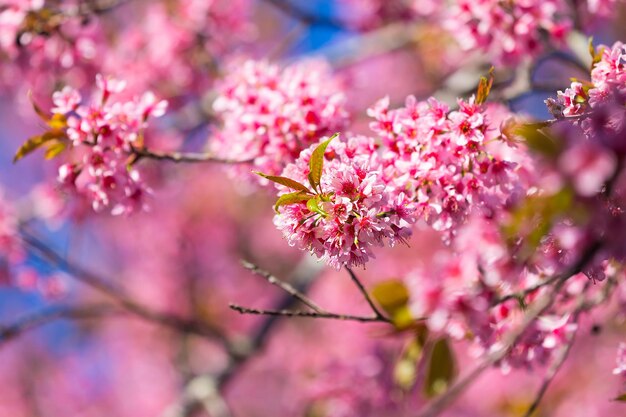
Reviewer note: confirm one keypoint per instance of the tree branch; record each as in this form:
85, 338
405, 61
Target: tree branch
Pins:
288, 288
185, 157
240, 352
48, 315
318, 312
299, 313
435, 407
554, 369
377, 314
173, 321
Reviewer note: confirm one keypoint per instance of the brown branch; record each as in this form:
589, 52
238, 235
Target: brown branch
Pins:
300, 313
173, 321
521, 295
288, 288
48, 315
318, 312
435, 407
554, 369
201, 390
185, 157
377, 313
581, 306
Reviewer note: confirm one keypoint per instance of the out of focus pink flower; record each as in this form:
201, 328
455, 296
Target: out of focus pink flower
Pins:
271, 114
620, 369
511, 31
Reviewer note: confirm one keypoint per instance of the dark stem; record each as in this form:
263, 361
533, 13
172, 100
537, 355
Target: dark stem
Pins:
378, 315
288, 288
307, 314
48, 315
178, 323
185, 157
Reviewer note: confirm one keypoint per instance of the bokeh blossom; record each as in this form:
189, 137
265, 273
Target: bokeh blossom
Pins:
270, 114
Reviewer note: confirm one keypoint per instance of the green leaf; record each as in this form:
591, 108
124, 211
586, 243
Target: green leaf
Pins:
596, 55
620, 398
55, 149
317, 162
405, 370
441, 370
314, 206
538, 140
484, 87
391, 294
292, 198
287, 182
393, 297
35, 142
535, 216
57, 121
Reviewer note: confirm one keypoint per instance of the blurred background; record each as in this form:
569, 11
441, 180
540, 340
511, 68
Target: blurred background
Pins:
120, 316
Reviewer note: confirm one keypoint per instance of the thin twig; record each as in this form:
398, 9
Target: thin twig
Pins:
48, 315
178, 323
299, 313
521, 295
288, 288
186, 157
553, 370
200, 389
435, 407
562, 357
378, 315
318, 312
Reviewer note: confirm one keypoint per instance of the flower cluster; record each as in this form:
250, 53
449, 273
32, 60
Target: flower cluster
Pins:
590, 127
368, 14
39, 40
180, 42
103, 133
449, 161
607, 86
12, 16
432, 163
347, 211
467, 295
270, 114
508, 31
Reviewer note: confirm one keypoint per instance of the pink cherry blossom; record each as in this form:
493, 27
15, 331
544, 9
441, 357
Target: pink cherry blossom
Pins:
271, 114
104, 132
508, 32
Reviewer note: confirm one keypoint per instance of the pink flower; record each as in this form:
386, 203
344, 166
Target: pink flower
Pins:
439, 159
620, 369
507, 31
66, 100
105, 131
356, 211
271, 114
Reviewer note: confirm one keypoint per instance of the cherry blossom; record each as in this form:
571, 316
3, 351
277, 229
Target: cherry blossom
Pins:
271, 114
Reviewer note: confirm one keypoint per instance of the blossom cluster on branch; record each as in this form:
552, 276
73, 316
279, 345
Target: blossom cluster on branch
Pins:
469, 234
102, 136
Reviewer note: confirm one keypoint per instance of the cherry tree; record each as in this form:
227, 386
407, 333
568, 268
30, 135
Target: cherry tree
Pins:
347, 208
